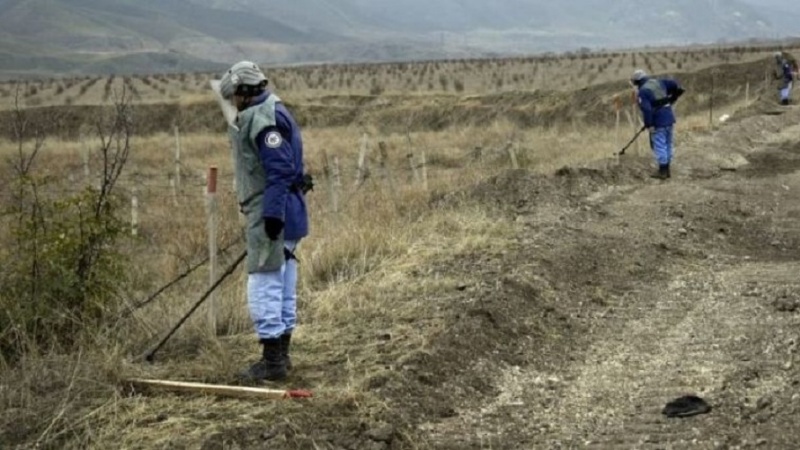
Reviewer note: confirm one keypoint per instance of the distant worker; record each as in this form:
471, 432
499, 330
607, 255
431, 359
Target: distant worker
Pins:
656, 97
792, 62
785, 72
271, 185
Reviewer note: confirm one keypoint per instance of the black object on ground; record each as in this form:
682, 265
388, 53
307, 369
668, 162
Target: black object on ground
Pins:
686, 406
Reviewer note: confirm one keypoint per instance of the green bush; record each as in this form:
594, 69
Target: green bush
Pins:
61, 274
61, 257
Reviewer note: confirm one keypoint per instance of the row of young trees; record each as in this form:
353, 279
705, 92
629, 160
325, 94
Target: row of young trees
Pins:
420, 75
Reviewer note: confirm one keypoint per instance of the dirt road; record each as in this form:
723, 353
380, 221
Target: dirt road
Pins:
625, 293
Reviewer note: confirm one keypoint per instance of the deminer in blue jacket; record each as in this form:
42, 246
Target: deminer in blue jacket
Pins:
785, 73
270, 186
655, 97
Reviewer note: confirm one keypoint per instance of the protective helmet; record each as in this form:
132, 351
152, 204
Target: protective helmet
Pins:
243, 73
638, 75
778, 55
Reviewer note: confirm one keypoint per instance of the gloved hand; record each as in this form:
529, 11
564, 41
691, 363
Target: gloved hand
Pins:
677, 94
308, 183
273, 227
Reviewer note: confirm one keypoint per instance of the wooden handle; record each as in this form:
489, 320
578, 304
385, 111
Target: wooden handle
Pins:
211, 389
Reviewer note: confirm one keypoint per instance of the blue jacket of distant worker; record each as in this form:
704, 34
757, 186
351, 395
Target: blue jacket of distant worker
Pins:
785, 72
654, 101
268, 149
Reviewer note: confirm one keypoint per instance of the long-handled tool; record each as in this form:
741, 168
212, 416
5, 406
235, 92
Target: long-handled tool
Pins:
243, 392
151, 355
622, 152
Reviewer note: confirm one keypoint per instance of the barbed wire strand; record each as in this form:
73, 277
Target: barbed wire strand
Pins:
139, 305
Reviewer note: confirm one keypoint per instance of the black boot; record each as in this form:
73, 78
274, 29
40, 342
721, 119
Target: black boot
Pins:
286, 342
669, 173
272, 366
785, 102
663, 172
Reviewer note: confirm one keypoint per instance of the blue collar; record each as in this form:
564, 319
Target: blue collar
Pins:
260, 99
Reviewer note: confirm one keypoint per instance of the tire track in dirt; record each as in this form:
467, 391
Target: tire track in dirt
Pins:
684, 336
687, 343
687, 326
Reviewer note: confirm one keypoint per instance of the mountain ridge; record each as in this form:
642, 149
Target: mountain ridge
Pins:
41, 36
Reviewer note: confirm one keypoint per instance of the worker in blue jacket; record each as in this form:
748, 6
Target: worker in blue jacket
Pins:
656, 97
270, 187
784, 73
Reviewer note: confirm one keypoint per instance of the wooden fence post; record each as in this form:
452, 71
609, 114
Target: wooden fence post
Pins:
211, 194
747, 94
633, 112
424, 164
134, 213
512, 154
85, 158
634, 128
384, 166
177, 157
329, 176
413, 167
363, 171
337, 174
174, 190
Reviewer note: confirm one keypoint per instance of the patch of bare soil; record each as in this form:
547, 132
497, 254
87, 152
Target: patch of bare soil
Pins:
625, 293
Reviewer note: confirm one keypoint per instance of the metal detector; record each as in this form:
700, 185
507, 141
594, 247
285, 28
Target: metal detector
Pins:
151, 355
622, 152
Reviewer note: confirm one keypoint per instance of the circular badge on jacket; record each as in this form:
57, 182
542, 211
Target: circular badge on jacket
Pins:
273, 139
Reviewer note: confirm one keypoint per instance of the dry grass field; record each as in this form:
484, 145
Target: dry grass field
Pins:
470, 265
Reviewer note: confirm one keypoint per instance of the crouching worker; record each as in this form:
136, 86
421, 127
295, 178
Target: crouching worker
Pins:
270, 187
656, 97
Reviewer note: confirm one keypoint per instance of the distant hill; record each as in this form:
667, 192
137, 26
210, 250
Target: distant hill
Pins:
45, 36
109, 35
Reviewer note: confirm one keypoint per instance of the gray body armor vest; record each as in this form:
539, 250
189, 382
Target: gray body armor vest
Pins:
263, 255
659, 93
248, 171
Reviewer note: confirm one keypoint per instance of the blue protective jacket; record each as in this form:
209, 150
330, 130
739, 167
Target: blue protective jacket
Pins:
655, 101
785, 70
280, 148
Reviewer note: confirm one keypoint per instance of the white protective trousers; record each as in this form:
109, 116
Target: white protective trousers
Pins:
272, 298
